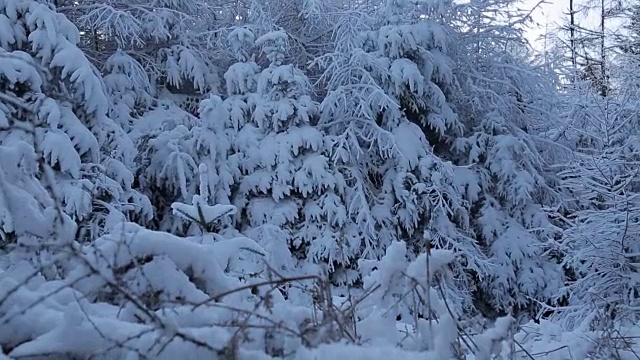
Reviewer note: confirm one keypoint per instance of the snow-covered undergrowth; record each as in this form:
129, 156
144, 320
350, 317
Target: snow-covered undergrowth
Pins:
144, 294
137, 294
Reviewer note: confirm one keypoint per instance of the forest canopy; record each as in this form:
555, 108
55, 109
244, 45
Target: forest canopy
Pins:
318, 179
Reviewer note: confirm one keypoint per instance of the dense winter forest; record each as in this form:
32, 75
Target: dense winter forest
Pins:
318, 179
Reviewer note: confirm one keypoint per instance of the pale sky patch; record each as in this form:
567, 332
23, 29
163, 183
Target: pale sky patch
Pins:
548, 16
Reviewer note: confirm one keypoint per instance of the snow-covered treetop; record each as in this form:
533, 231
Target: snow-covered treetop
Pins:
275, 45
241, 41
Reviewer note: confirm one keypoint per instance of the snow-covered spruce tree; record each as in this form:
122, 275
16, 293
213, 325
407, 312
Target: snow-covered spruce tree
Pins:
177, 156
388, 101
175, 143
508, 216
57, 112
309, 24
162, 48
128, 87
501, 103
288, 192
241, 79
438, 124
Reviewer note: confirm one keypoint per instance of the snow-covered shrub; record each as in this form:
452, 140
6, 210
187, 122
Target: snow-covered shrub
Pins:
412, 292
409, 304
